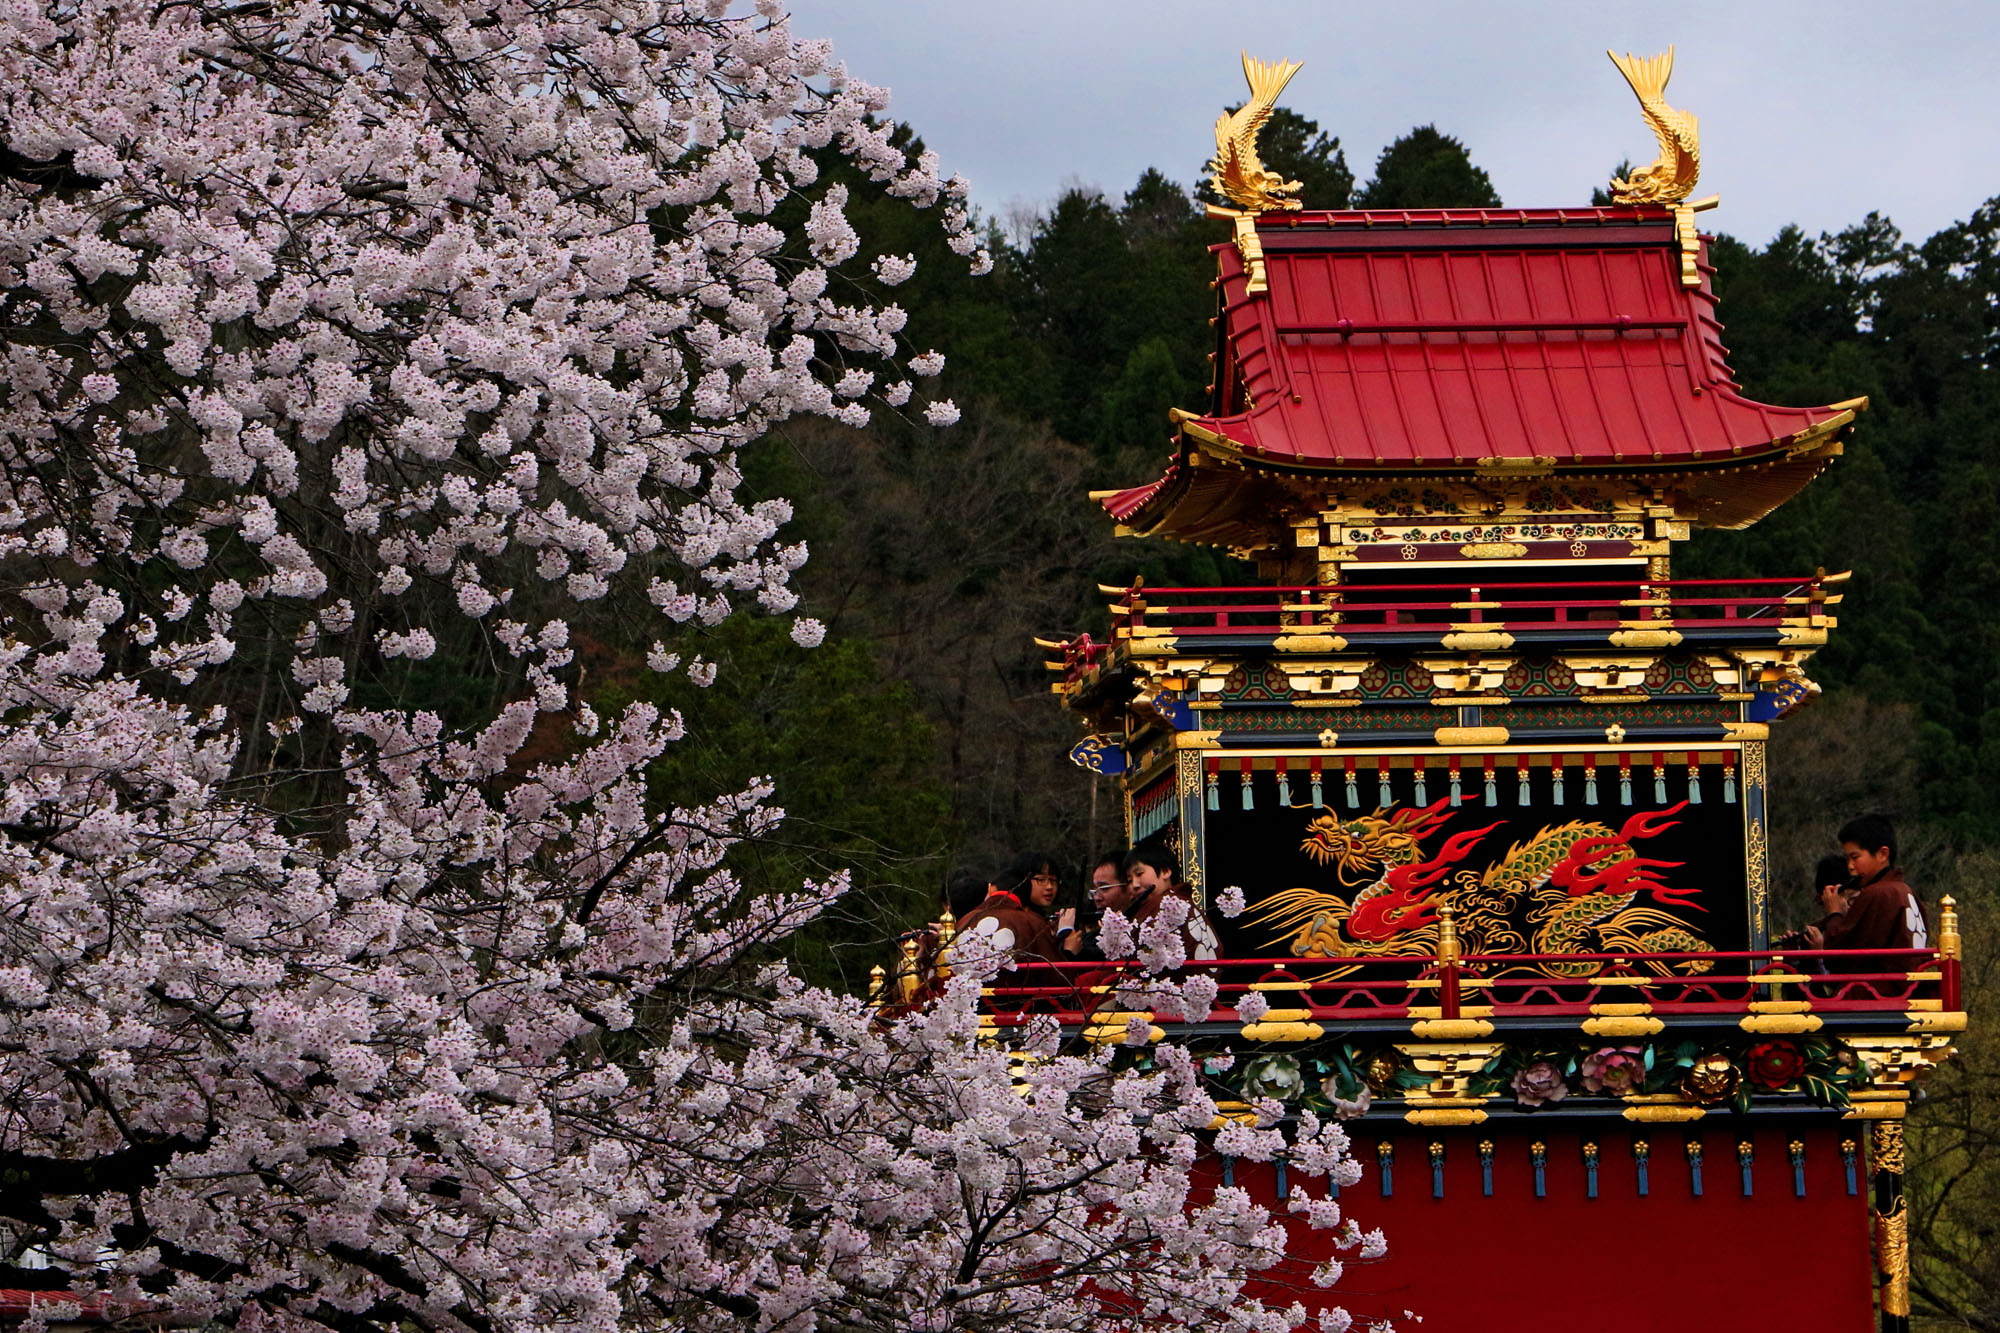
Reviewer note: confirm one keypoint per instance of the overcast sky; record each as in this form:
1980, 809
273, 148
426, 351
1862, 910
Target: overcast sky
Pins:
1811, 113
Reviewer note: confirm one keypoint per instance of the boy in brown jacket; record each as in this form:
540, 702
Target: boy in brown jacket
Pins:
1883, 914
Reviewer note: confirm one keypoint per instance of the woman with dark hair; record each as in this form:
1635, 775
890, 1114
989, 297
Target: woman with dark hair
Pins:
1034, 880
1020, 909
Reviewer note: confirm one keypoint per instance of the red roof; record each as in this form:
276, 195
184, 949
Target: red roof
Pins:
1426, 341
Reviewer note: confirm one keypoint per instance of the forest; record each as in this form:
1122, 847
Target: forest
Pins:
921, 736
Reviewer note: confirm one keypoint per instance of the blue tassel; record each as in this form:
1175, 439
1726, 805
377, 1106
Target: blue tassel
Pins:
1492, 792
1319, 802
1556, 784
1423, 798
1353, 793
1454, 792
1385, 792
1847, 1160
1229, 1170
1590, 786
1279, 1163
1437, 1170
1743, 1154
1386, 1154
1694, 784
1641, 1152
1659, 786
1214, 792
1526, 795
1624, 790
1248, 803
1589, 1170
1486, 1167
1798, 1168
1284, 791
1728, 787
1541, 1157
1694, 1166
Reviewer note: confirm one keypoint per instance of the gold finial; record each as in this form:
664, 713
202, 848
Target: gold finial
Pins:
1447, 935
878, 984
906, 970
1949, 943
1671, 178
1236, 172
947, 931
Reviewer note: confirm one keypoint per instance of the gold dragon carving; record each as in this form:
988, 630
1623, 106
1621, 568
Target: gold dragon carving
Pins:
1579, 886
1240, 176
1671, 178
1236, 172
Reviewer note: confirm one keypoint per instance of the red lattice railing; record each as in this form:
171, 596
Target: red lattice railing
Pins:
1513, 986
1391, 608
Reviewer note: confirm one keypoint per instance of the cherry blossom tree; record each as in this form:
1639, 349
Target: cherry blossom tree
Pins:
340, 334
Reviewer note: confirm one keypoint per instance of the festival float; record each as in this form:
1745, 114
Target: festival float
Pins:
1491, 780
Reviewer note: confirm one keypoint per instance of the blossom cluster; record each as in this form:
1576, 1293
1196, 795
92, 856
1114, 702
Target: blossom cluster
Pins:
333, 329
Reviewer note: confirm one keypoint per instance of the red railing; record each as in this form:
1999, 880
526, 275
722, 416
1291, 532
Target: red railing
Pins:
1365, 608
1507, 986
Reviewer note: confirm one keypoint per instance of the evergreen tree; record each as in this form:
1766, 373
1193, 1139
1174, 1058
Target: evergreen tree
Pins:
1427, 169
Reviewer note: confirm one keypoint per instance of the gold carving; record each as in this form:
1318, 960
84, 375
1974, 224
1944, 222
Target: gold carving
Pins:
1746, 731
1197, 740
1236, 172
1539, 465
1470, 736
1671, 178
1233, 1112
1690, 243
1622, 1027
1892, 1228
1492, 550
1447, 947
1935, 1022
1250, 246
1753, 763
1451, 1029
1892, 1249
1756, 848
1110, 1029
1886, 1148
1284, 1025
1949, 943
1445, 1115
1645, 638
1663, 1114
1476, 641
1780, 1023
1309, 643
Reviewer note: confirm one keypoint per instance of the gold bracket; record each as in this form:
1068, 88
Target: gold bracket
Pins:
1663, 1114
1249, 246
1622, 1026
1780, 1023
